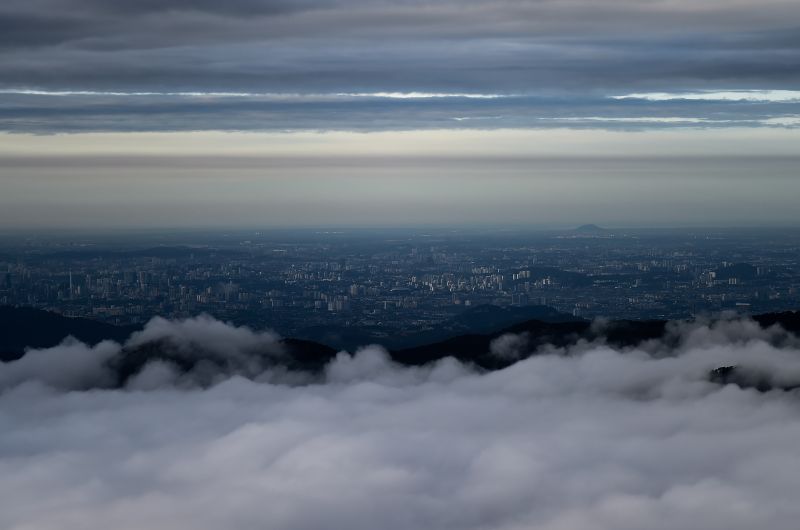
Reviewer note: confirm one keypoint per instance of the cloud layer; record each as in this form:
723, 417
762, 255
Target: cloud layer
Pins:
580, 51
585, 438
369, 45
43, 111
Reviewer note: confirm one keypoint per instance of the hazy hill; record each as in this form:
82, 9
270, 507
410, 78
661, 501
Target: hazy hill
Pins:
591, 229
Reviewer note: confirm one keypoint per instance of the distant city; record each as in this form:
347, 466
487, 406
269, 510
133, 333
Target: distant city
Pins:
394, 280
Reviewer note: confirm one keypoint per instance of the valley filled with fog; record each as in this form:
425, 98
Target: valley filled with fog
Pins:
588, 436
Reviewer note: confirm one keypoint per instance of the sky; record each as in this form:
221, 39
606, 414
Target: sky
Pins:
324, 112
589, 437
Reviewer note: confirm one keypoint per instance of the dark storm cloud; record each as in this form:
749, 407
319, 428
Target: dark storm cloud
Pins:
589, 437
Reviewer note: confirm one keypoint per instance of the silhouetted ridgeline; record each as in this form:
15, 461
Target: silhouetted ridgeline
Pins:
25, 327
207, 347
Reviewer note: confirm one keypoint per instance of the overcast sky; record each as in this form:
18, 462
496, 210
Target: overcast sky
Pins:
324, 46
391, 86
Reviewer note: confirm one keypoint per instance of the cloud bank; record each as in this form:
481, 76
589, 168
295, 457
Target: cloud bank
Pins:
588, 437
177, 64
75, 111
769, 96
373, 46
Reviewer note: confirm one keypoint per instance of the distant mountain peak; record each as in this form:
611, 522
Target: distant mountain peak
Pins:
590, 228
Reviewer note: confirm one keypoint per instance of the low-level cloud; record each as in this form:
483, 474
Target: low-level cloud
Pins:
588, 437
